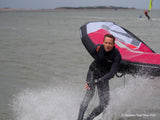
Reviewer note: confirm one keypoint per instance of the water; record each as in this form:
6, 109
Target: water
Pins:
138, 100
43, 66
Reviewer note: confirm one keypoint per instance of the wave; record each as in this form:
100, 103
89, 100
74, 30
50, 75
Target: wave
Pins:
8, 27
139, 99
47, 104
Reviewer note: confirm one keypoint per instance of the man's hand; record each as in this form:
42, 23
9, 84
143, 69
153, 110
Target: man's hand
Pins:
87, 86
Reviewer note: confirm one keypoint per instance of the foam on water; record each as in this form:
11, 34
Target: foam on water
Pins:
46, 104
139, 99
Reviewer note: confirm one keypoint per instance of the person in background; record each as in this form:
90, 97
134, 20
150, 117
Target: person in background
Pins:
146, 14
102, 69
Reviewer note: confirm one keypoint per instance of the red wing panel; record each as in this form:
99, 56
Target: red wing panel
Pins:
137, 56
96, 31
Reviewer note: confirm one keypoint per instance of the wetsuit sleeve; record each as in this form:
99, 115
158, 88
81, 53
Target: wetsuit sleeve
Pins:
114, 69
89, 75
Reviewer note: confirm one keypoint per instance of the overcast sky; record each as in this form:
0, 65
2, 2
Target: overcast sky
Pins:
50, 4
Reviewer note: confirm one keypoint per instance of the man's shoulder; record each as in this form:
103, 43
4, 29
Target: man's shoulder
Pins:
117, 54
98, 47
116, 50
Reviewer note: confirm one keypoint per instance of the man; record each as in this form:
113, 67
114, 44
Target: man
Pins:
104, 67
146, 14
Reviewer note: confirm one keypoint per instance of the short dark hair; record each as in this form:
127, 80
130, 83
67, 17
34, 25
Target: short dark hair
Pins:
110, 36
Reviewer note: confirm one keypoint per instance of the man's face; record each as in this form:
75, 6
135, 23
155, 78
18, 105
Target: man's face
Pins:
108, 44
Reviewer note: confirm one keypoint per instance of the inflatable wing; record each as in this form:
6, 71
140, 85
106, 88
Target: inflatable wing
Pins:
137, 57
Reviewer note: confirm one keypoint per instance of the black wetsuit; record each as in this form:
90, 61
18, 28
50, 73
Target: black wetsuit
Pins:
146, 14
102, 69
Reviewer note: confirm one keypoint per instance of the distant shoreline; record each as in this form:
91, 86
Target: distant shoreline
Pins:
70, 8
74, 8
95, 7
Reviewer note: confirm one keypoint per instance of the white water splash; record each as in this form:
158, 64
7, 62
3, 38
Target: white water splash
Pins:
139, 99
46, 104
